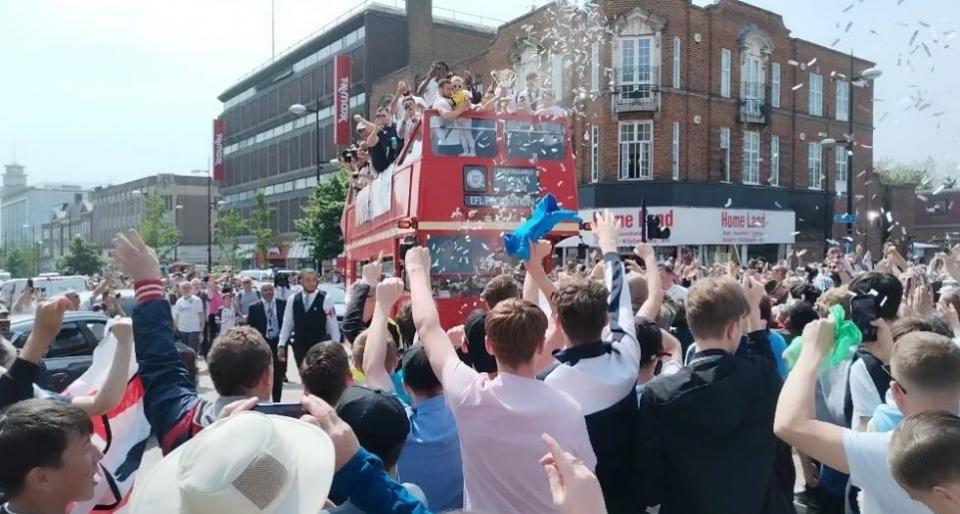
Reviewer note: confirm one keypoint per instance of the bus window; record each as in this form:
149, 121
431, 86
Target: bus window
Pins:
457, 254
450, 138
543, 140
484, 137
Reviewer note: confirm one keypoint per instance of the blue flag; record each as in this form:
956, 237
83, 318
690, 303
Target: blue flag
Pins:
546, 214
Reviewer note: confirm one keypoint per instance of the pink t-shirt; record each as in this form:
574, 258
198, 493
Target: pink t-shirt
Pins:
500, 422
216, 302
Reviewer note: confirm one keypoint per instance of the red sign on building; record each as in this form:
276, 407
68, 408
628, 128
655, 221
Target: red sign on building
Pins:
218, 165
341, 100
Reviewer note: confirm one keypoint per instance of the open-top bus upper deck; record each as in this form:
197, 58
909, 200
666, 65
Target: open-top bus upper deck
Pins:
457, 186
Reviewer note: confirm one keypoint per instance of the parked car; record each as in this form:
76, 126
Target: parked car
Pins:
339, 297
71, 353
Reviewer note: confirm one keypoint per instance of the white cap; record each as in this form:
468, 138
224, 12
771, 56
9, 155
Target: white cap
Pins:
247, 463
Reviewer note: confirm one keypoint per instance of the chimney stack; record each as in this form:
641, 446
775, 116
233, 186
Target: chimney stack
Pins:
419, 36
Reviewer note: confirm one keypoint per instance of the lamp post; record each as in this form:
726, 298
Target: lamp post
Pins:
34, 258
866, 75
300, 110
210, 205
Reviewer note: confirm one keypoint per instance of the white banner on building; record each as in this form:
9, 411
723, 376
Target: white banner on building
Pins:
701, 226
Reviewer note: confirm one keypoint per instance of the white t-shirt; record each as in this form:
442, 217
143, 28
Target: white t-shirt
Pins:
867, 458
228, 318
677, 293
447, 133
187, 312
863, 392
500, 423
431, 92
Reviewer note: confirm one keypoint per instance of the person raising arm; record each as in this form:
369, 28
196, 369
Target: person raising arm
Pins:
375, 353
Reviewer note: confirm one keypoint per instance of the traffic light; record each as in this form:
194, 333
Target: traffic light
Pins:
654, 230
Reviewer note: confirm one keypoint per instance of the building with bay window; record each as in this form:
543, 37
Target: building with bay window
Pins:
717, 114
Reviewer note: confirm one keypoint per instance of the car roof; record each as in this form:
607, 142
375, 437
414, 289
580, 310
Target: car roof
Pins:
23, 319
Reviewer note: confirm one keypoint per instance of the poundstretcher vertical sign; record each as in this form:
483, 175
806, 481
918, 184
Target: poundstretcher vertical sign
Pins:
341, 100
218, 165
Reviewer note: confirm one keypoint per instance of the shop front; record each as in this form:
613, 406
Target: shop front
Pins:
712, 235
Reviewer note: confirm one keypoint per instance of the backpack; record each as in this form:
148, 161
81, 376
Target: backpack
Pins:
879, 376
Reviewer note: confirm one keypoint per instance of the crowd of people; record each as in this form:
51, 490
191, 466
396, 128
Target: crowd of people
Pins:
450, 95
619, 385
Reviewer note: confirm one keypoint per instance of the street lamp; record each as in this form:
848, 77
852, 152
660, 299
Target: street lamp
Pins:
210, 205
860, 80
299, 110
32, 231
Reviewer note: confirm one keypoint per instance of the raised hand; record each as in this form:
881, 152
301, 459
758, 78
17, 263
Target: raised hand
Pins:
606, 227
540, 251
417, 260
389, 291
122, 329
574, 488
46, 325
321, 414
457, 336
819, 336
134, 257
645, 252
372, 271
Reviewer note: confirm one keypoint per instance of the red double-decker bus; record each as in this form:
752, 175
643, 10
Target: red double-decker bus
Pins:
457, 187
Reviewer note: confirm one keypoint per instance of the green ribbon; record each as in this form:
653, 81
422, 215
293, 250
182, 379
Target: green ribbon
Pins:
847, 338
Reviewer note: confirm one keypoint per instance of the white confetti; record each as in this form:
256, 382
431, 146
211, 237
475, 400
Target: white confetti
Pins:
729, 203
797, 87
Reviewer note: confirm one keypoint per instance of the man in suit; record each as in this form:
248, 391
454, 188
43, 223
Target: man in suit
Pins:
311, 319
266, 317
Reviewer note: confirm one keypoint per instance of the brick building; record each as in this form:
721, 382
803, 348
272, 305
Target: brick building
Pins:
715, 115
267, 148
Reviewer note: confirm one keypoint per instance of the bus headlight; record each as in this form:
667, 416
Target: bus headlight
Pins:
475, 178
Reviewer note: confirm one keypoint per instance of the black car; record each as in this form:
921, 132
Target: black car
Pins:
71, 353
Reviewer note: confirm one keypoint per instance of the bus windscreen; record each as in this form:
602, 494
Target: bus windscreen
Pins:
460, 254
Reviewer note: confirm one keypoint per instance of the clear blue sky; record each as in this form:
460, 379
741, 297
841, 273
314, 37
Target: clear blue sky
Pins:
111, 90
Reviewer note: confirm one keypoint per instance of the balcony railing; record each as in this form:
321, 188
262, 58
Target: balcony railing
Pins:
753, 103
642, 93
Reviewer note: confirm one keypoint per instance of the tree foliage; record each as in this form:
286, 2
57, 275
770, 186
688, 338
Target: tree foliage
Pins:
259, 223
893, 173
227, 231
17, 262
320, 224
81, 259
155, 230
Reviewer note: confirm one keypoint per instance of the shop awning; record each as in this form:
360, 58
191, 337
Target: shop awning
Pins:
300, 250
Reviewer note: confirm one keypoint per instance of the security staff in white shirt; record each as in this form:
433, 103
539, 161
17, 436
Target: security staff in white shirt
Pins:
310, 316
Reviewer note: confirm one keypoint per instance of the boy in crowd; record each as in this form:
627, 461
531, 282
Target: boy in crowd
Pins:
474, 353
240, 362
500, 465
599, 373
925, 372
706, 441
925, 460
49, 460
189, 316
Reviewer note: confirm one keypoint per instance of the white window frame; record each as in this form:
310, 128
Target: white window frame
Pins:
676, 62
774, 160
725, 60
675, 150
725, 156
634, 75
815, 166
775, 85
842, 108
642, 143
751, 157
556, 74
595, 66
815, 96
529, 62
594, 153
840, 164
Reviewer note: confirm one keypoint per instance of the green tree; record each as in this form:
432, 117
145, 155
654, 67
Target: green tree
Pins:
893, 173
81, 259
320, 224
227, 231
155, 230
259, 223
17, 263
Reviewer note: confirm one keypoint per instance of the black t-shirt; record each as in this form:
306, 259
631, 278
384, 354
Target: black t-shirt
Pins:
387, 148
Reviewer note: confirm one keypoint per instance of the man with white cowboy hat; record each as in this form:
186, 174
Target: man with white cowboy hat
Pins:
249, 462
